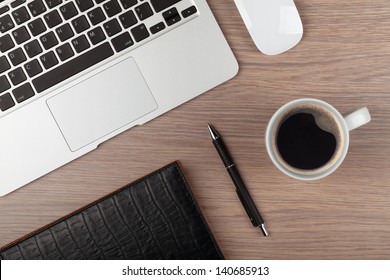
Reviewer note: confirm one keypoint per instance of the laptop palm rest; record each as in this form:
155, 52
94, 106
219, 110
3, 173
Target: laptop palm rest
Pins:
102, 104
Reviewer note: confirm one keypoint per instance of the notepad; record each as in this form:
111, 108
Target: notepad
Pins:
155, 217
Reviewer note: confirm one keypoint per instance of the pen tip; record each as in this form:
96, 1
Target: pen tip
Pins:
263, 229
214, 135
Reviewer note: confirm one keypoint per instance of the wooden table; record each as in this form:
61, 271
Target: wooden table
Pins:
344, 59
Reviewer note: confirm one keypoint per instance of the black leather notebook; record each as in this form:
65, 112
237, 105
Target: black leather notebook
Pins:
155, 217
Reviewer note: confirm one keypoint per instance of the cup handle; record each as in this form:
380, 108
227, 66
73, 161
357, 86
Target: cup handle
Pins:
358, 118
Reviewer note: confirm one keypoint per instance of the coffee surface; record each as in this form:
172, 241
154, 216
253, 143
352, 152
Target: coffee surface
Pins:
302, 144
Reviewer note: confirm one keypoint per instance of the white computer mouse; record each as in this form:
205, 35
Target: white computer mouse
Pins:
274, 25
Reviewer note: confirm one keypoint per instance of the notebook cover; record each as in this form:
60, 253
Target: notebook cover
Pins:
155, 217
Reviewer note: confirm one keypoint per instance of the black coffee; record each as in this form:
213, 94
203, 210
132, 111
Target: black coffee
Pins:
302, 144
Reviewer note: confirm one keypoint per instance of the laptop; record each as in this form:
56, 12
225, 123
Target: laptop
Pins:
75, 73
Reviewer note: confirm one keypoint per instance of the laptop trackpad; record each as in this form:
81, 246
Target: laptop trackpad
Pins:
102, 104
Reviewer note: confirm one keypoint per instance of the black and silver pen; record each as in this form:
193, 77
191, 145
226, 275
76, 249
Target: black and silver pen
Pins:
241, 189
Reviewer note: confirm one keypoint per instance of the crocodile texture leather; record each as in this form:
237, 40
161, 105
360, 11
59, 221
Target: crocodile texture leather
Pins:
155, 217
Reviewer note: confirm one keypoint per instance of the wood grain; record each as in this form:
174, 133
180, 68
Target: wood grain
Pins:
344, 59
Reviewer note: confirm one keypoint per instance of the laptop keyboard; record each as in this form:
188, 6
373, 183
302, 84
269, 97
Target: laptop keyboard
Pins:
47, 42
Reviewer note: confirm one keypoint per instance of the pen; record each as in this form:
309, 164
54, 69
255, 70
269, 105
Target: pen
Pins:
241, 189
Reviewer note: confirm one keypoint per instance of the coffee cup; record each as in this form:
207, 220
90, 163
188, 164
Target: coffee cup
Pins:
308, 139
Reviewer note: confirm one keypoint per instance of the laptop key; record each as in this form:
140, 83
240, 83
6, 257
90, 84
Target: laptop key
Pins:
68, 10
128, 3
96, 35
96, 16
64, 32
6, 43
23, 93
112, 27
53, 3
84, 4
17, 56
6, 23
128, 19
33, 48
80, 43
17, 76
21, 15
80, 24
122, 42
144, 11
4, 64
171, 16
4, 9
140, 32
33, 68
65, 52
49, 60
17, 3
37, 27
160, 5
4, 84
36, 7
189, 11
73, 67
49, 40
21, 35
112, 8
6, 102
157, 28
53, 18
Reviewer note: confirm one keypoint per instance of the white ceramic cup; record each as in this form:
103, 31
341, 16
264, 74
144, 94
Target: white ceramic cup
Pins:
341, 126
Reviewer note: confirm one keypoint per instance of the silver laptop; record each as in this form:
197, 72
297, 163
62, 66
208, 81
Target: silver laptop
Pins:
74, 73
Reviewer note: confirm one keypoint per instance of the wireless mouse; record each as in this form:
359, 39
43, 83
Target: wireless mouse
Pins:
274, 25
